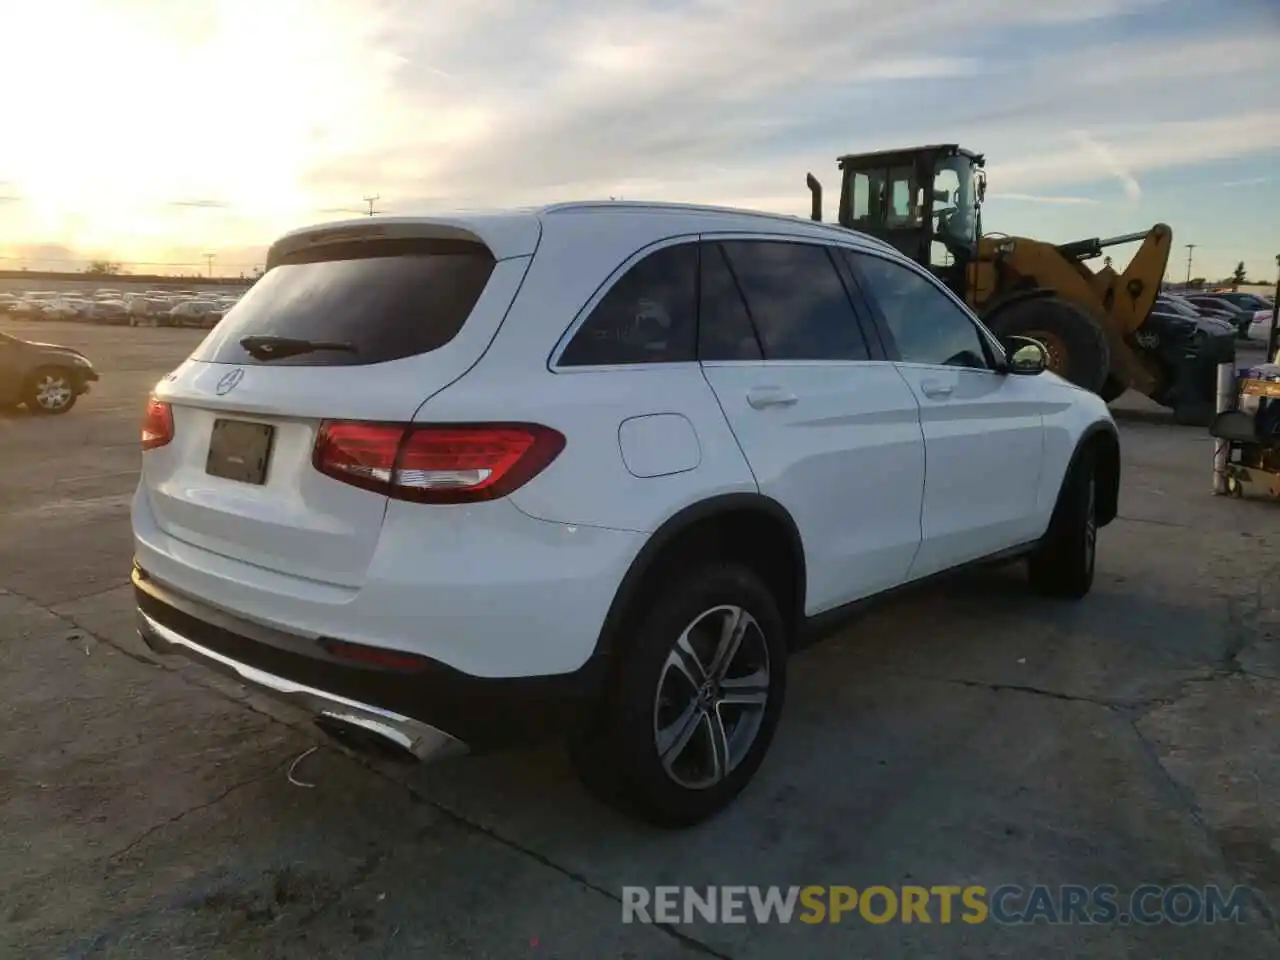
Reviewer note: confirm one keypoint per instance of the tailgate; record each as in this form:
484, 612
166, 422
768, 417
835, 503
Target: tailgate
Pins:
237, 478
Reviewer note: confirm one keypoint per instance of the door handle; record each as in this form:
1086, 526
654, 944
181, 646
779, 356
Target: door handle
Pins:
936, 389
762, 397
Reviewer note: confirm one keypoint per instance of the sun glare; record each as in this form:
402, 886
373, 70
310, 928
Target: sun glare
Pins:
151, 105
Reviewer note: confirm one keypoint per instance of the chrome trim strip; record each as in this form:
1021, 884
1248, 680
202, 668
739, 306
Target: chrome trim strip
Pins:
417, 738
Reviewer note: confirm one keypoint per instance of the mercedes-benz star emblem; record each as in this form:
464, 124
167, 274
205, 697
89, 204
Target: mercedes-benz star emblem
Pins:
227, 382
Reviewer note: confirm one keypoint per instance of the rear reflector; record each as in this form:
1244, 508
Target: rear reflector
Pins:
374, 656
436, 463
157, 424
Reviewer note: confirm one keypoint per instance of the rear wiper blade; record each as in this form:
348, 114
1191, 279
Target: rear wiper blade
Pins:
266, 347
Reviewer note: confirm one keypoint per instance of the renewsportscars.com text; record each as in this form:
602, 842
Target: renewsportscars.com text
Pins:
943, 904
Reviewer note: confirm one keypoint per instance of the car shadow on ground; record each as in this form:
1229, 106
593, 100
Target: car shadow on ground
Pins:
982, 635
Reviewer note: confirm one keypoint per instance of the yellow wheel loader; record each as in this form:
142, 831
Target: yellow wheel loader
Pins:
1098, 327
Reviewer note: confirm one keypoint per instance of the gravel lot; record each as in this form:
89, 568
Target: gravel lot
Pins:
971, 734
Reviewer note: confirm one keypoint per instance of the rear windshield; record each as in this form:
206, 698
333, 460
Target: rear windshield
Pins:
387, 300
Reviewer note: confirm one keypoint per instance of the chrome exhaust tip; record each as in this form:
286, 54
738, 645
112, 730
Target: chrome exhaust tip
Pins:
366, 737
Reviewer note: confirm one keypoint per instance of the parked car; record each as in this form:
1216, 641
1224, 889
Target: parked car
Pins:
45, 377
190, 313
34, 302
65, 308
1249, 301
1260, 326
1216, 306
111, 311
605, 484
8, 302
150, 312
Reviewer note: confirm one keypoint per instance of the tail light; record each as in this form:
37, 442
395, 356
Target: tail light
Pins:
157, 424
436, 463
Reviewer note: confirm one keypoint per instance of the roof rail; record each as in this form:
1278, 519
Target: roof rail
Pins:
660, 205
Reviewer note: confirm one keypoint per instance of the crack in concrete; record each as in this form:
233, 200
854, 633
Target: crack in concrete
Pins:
459, 819
1154, 522
73, 622
1051, 694
1228, 665
362, 873
113, 858
84, 596
1193, 810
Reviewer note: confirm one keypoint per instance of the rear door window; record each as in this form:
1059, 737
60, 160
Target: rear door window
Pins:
386, 300
797, 300
724, 326
649, 315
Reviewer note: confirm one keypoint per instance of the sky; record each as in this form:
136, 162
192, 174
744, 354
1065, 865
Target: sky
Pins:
156, 132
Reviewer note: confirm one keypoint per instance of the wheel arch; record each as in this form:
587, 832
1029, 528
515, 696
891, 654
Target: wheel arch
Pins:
711, 528
1102, 439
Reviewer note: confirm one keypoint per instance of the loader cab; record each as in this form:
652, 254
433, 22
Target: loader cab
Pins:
925, 201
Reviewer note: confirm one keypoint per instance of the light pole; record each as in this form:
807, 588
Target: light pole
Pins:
1273, 333
370, 201
1190, 247
209, 259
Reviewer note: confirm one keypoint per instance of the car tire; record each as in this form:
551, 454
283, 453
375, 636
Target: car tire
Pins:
50, 391
1063, 563
654, 703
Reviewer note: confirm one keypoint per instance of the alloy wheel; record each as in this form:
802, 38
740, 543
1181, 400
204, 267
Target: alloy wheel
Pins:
711, 697
53, 392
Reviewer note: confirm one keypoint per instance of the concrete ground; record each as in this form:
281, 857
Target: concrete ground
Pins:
971, 734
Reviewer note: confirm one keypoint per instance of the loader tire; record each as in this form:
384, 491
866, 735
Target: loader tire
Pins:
1112, 388
1077, 347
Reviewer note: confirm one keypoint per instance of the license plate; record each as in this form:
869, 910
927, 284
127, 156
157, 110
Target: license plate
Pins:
239, 450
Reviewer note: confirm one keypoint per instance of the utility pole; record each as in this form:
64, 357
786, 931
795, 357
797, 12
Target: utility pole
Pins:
209, 259
1190, 247
370, 201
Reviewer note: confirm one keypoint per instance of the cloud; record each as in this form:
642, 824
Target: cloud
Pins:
201, 204
1250, 182
1055, 201
435, 105
726, 102
1112, 163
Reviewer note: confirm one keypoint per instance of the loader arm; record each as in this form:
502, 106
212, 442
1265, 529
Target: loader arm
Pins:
1120, 302
1129, 296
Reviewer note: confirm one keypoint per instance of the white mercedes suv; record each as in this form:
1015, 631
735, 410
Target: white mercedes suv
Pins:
593, 469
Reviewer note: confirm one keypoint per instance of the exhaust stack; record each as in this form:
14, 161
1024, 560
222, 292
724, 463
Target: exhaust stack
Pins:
815, 192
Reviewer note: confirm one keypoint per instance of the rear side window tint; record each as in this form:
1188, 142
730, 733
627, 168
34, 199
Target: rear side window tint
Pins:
649, 315
387, 300
797, 300
724, 326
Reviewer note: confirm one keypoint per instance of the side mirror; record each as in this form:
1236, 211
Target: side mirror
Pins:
1027, 357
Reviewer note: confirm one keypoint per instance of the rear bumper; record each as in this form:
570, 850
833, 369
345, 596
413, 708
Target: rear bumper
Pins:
428, 712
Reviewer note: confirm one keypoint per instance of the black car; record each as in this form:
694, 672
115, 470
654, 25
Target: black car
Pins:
44, 376
1188, 347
